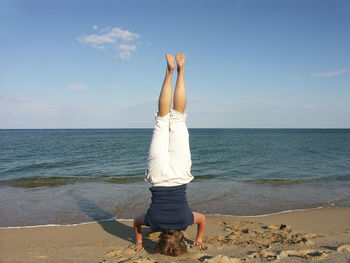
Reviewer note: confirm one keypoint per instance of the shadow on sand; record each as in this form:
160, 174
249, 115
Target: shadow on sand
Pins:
112, 227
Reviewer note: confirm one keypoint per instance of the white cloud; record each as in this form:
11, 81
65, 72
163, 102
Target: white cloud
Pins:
125, 51
77, 86
329, 74
124, 55
123, 47
110, 37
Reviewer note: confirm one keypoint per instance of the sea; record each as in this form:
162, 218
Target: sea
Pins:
72, 176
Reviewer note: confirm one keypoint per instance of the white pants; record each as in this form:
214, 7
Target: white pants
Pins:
169, 159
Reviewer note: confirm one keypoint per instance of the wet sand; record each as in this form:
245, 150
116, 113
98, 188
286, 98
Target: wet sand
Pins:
320, 235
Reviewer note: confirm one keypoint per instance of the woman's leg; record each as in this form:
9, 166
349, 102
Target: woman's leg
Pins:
179, 148
158, 157
180, 88
164, 102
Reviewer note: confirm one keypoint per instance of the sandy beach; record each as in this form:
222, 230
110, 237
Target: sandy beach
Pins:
321, 235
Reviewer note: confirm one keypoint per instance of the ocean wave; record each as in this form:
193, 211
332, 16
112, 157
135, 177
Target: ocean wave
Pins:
56, 181
277, 182
41, 165
39, 181
42, 181
76, 224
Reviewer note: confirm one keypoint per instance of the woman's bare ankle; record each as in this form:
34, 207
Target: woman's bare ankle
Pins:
170, 63
180, 69
180, 60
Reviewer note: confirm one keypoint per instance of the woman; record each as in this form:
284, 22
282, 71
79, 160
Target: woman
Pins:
169, 165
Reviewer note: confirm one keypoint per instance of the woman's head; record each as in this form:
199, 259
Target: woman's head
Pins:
171, 243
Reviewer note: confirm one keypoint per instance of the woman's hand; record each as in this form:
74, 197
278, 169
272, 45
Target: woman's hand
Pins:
200, 245
137, 246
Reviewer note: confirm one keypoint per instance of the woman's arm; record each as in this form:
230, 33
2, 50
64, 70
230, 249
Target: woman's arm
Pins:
199, 219
138, 222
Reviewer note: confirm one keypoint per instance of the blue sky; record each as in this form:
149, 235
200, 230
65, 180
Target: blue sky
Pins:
100, 64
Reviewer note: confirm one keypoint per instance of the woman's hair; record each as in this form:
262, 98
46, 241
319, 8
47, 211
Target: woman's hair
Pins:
171, 243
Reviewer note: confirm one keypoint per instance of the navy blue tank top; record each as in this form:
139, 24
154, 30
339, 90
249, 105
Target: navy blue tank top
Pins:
169, 209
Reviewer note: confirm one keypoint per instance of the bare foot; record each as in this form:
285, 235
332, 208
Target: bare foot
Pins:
171, 62
180, 59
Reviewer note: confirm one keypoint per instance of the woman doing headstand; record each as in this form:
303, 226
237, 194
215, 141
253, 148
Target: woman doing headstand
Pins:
169, 170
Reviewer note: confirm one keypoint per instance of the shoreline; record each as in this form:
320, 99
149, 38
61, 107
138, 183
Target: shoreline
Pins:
131, 219
89, 202
296, 236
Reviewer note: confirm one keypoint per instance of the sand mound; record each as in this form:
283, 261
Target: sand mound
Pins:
306, 253
258, 236
272, 255
344, 248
